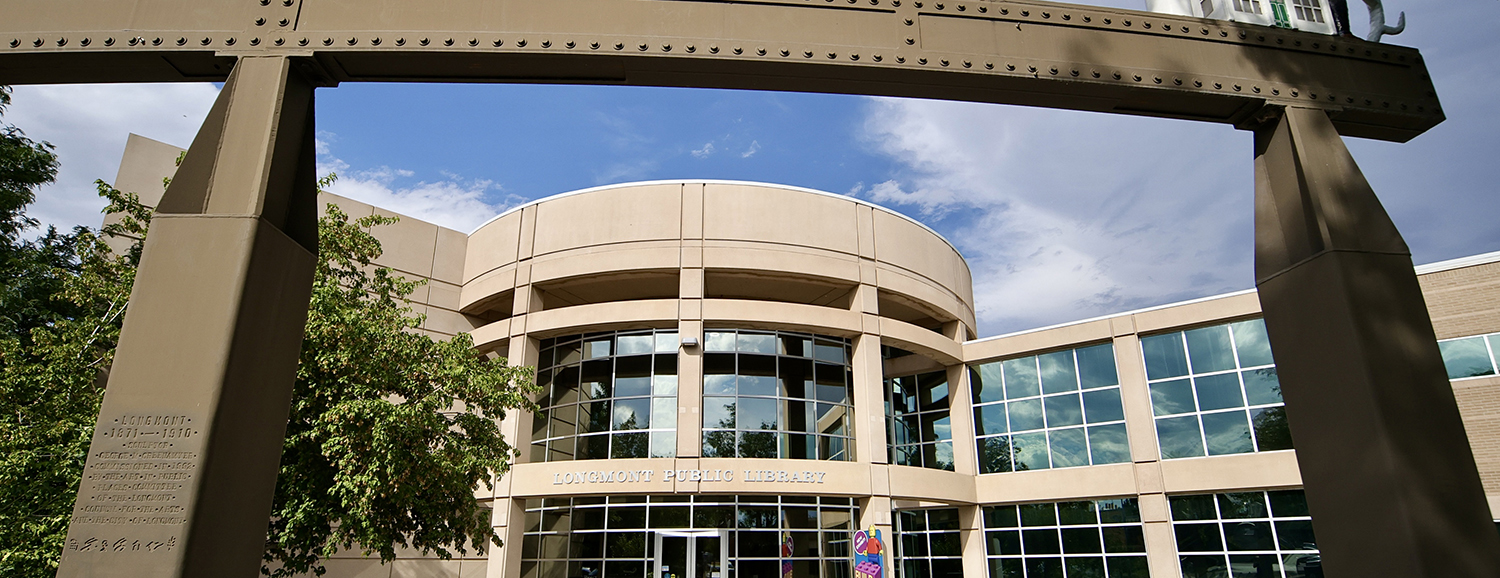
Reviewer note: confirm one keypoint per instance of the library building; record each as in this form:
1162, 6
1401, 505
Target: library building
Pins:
750, 380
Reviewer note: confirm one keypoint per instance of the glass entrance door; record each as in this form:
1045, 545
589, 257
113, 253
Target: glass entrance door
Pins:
691, 553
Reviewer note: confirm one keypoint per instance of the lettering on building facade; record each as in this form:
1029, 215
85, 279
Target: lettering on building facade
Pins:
705, 476
135, 488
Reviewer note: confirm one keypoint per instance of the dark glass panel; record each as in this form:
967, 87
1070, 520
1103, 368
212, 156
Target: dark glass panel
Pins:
561, 449
835, 544
1204, 567
1044, 568
1085, 567
913, 545
718, 363
671, 517
945, 544
718, 444
799, 446
594, 417
1288, 503
565, 384
796, 378
1128, 567
1198, 537
713, 516
1295, 535
625, 545
1220, 391
1081, 541
932, 390
1007, 568
942, 519
665, 364
990, 419
627, 517
1057, 372
1193, 508
631, 445
632, 414
1209, 349
1123, 539
1243, 536
587, 545
1076, 513
1021, 378
1271, 430
796, 346
1242, 505
948, 568
1164, 356
759, 544
994, 455
1000, 517
1003, 542
596, 379
800, 517
1038, 514
830, 351
594, 447
1119, 511
1262, 386
758, 445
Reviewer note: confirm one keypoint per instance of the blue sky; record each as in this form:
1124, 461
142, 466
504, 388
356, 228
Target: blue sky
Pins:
1062, 215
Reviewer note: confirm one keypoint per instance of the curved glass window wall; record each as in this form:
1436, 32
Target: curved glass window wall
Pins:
592, 537
776, 394
919, 431
1055, 410
609, 395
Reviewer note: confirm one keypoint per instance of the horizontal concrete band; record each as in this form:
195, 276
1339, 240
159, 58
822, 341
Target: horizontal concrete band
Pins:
1031, 53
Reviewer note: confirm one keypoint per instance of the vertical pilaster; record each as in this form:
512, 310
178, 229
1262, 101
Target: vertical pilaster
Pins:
201, 384
961, 421
690, 325
875, 513
971, 535
869, 375
1388, 471
509, 521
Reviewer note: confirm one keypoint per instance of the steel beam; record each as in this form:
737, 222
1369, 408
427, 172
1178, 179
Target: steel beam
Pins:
1028, 52
182, 466
1388, 471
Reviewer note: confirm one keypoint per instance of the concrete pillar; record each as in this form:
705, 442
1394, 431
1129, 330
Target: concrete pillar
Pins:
201, 384
971, 535
1388, 471
961, 421
869, 405
690, 326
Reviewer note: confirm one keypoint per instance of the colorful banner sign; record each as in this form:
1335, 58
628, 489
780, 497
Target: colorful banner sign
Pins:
868, 551
786, 555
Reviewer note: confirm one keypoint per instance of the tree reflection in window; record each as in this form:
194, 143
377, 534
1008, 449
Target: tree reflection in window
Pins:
776, 394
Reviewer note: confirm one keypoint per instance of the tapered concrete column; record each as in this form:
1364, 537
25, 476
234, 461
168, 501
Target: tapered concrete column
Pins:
1389, 475
183, 465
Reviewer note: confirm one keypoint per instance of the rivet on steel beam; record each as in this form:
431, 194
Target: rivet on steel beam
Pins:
1004, 11
982, 10
1277, 92
255, 42
1385, 55
1026, 13
1223, 34
1094, 73
14, 42
910, 41
1243, 34
713, 49
1177, 81
447, 42
1087, 18
475, 42
1137, 77
1156, 79
1009, 66
1205, 32
1116, 75
1030, 68
874, 2
690, 48
1312, 96
205, 41
806, 54
1073, 72
279, 41
854, 56
1419, 109
548, 44
875, 57
1236, 88
1067, 16
1053, 70
1046, 15
968, 64
265, 2
939, 5
1385, 104
402, 42
1369, 102
1106, 21
618, 45
1218, 85
84, 42
853, 1
1402, 58
592, 45
738, 50
287, 3
1184, 29
908, 22
522, 44
1316, 46
62, 41
896, 3
37, 43
917, 4
260, 21
1369, 53
1350, 100
1197, 84
642, 47
760, 51
1294, 92
666, 48
961, 8
302, 42
327, 42
1146, 25
136, 40
1331, 98
1297, 43
1260, 38
570, 44
943, 61
785, 52
900, 60
109, 41
375, 41
832, 55
425, 42
1255, 89
229, 42
1351, 50
352, 41
1125, 22
922, 60
284, 22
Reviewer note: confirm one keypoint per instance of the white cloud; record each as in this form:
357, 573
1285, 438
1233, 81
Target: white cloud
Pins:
702, 153
1068, 215
89, 124
750, 152
451, 202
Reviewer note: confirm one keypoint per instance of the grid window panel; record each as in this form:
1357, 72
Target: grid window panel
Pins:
1079, 539
606, 396
1469, 357
1263, 534
919, 428
1055, 410
928, 544
1247, 6
777, 394
1214, 391
598, 536
1308, 10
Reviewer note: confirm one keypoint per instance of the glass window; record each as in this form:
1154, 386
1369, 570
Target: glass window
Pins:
927, 544
606, 395
1214, 391
1261, 533
1090, 538
770, 394
589, 537
1470, 356
1309, 10
1054, 410
918, 430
